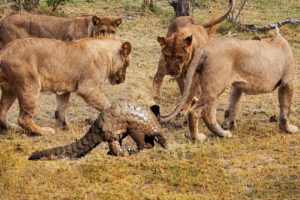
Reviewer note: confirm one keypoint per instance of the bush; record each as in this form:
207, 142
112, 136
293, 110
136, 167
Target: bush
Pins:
31, 5
55, 3
28, 5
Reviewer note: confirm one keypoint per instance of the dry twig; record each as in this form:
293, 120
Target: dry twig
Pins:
253, 27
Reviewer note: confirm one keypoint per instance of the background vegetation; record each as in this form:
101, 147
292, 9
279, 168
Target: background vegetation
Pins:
260, 162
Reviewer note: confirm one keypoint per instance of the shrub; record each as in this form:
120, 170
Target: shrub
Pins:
55, 3
28, 5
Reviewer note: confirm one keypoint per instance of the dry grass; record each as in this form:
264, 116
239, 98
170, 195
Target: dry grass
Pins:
260, 162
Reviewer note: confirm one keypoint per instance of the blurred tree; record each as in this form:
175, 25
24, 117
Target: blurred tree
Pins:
181, 7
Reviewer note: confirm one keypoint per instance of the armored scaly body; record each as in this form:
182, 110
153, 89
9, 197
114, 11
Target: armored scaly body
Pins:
124, 118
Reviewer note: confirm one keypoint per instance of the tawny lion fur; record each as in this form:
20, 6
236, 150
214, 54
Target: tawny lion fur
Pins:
184, 36
250, 67
31, 65
25, 25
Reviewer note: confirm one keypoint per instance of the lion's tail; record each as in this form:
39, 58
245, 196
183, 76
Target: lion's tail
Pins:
197, 62
75, 150
211, 30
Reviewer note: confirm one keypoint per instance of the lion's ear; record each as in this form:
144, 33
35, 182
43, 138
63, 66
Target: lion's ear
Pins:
125, 49
96, 20
117, 22
162, 41
188, 40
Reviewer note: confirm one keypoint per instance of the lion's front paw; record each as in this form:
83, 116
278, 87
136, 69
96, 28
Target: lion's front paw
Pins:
46, 131
227, 134
292, 129
199, 137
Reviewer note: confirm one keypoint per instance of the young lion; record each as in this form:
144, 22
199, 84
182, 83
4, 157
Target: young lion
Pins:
31, 65
17, 26
26, 25
184, 36
251, 67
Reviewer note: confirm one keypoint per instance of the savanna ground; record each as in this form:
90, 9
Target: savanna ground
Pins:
260, 162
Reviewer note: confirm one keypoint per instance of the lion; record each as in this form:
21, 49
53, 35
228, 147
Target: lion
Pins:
184, 36
33, 65
246, 66
17, 26
26, 25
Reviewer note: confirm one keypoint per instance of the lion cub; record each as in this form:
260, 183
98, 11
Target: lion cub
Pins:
28, 66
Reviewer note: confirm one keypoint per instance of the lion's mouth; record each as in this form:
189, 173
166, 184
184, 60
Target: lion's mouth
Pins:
114, 81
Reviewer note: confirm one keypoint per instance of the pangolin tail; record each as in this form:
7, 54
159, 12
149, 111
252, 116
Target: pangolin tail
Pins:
74, 150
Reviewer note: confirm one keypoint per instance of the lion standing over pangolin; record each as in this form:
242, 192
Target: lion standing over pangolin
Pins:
124, 118
246, 66
31, 65
184, 36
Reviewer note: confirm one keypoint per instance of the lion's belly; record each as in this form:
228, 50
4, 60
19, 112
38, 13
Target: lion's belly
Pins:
258, 79
256, 87
57, 86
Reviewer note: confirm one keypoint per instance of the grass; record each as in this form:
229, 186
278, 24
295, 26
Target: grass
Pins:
260, 162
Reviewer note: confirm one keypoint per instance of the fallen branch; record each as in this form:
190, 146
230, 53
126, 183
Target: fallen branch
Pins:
252, 27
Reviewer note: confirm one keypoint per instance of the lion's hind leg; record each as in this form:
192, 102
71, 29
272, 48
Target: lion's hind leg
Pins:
230, 113
62, 102
285, 94
193, 118
7, 99
27, 97
209, 117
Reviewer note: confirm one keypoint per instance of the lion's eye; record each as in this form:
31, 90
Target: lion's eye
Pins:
178, 58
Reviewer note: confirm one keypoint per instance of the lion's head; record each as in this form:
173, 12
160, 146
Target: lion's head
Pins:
185, 34
104, 26
118, 76
177, 51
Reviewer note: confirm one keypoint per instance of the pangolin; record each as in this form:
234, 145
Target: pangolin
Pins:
124, 118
